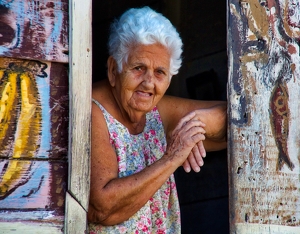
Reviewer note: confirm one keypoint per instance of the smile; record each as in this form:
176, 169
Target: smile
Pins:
144, 94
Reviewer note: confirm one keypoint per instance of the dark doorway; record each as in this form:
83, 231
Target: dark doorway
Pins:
202, 25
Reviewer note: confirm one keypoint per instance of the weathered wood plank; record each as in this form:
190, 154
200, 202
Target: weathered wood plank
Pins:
32, 185
76, 220
32, 196
34, 113
30, 228
264, 94
34, 109
34, 29
80, 100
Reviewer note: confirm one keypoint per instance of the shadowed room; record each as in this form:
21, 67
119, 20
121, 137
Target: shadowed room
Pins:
201, 24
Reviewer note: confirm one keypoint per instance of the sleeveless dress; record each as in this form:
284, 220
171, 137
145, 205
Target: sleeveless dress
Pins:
161, 214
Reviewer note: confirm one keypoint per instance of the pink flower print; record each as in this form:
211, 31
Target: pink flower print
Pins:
167, 191
123, 229
144, 218
145, 228
154, 209
122, 166
160, 231
156, 141
158, 222
117, 144
140, 167
146, 136
153, 133
157, 203
153, 158
114, 134
173, 185
140, 225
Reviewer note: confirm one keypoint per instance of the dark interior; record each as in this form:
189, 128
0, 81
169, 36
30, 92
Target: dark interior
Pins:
202, 25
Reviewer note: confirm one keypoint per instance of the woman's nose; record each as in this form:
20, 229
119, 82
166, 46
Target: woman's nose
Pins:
148, 77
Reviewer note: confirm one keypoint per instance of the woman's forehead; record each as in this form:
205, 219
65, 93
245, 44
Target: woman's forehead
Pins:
154, 53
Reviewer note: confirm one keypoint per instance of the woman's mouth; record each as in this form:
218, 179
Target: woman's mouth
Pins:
144, 94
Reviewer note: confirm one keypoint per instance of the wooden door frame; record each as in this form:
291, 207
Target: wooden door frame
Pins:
80, 83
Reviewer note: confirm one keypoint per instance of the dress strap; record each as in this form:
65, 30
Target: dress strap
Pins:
97, 103
104, 111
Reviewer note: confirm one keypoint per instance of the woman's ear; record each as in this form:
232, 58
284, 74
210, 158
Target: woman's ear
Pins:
111, 70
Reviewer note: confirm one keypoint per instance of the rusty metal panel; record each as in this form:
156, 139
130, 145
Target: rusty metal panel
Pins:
34, 29
263, 95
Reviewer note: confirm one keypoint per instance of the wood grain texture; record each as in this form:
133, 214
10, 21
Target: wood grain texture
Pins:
264, 93
30, 228
76, 220
80, 101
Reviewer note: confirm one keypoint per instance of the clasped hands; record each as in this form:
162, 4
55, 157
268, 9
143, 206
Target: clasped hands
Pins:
191, 132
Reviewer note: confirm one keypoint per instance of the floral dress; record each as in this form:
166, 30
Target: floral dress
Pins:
161, 213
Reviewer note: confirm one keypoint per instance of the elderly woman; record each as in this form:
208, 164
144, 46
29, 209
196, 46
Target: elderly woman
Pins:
140, 136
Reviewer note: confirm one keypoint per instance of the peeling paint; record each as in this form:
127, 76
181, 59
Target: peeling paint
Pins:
264, 153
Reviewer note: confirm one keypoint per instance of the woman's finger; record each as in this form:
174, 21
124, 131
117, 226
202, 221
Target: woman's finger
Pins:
186, 166
197, 157
193, 162
201, 149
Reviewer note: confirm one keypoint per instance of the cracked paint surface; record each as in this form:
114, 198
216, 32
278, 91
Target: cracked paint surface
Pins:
264, 89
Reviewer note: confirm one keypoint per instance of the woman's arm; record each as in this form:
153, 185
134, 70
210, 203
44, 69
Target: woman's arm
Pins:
212, 113
114, 199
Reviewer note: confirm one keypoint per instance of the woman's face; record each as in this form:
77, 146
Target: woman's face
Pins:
144, 79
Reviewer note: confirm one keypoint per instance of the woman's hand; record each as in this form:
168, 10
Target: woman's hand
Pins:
195, 158
187, 142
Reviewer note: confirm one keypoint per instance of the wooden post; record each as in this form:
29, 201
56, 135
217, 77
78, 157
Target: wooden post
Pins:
264, 94
80, 115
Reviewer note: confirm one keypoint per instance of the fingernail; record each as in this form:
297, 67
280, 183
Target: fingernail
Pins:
187, 170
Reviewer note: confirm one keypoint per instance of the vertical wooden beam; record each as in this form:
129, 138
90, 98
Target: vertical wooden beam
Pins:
263, 95
80, 113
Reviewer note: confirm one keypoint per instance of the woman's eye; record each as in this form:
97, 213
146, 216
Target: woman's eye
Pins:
160, 72
138, 68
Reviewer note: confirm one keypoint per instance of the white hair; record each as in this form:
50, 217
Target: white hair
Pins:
144, 26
